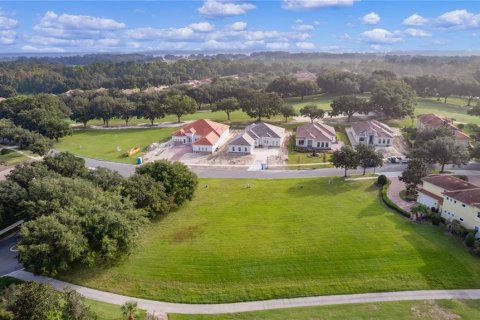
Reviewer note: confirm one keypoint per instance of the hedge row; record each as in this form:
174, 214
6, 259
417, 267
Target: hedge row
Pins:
389, 203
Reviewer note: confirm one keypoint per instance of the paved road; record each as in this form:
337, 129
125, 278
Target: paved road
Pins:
8, 257
392, 170
158, 306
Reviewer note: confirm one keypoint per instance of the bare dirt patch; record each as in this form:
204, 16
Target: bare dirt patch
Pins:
431, 310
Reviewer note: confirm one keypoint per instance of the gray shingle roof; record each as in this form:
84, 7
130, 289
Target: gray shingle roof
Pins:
262, 129
317, 131
242, 140
372, 126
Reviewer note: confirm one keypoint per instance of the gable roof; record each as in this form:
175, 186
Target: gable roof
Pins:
317, 131
202, 128
372, 126
262, 129
434, 120
242, 140
209, 131
468, 196
449, 183
460, 135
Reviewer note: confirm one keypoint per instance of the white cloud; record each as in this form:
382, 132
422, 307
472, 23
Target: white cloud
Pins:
345, 36
171, 34
412, 32
277, 45
300, 26
457, 20
7, 23
380, 36
67, 25
371, 18
415, 20
29, 48
305, 45
202, 26
238, 26
315, 4
217, 9
8, 37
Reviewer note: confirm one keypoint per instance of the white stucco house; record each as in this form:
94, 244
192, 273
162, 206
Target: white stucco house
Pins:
257, 135
203, 135
315, 135
371, 132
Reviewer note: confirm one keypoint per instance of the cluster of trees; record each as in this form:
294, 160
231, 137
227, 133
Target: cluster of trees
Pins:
10, 134
287, 86
32, 122
35, 301
79, 216
432, 146
433, 86
363, 155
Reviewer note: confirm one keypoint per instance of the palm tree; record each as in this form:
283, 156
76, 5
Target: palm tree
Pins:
129, 310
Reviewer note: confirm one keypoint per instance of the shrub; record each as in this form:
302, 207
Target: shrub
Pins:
476, 248
436, 219
382, 180
470, 239
460, 126
461, 176
389, 203
4, 151
456, 228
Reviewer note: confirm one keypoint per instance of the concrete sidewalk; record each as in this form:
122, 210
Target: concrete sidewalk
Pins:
167, 307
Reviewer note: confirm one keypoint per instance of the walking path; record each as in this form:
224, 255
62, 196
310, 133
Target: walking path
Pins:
158, 306
394, 194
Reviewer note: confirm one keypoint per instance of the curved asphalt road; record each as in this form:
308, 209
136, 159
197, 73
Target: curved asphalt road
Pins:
391, 170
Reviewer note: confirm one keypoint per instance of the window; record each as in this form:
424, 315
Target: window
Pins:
245, 149
318, 144
361, 139
301, 142
233, 148
448, 198
388, 141
478, 214
463, 205
326, 145
461, 219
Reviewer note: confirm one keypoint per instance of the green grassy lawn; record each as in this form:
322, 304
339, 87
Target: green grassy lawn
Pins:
242, 239
12, 157
398, 310
459, 101
107, 311
112, 144
454, 111
295, 157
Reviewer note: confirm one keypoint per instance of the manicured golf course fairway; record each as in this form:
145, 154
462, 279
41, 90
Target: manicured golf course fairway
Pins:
244, 240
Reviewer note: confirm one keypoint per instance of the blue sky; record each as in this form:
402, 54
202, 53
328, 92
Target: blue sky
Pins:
238, 25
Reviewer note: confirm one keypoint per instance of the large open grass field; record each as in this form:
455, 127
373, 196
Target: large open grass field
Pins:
245, 239
398, 310
112, 144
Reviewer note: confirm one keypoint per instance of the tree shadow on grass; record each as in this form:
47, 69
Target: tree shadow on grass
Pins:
444, 260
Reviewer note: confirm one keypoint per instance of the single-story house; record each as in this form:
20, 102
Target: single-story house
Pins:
257, 135
315, 135
372, 132
435, 121
454, 198
203, 135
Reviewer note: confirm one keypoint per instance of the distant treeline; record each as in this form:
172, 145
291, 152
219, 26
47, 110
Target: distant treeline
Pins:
60, 74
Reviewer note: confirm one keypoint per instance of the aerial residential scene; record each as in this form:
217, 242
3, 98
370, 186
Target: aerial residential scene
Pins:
237, 159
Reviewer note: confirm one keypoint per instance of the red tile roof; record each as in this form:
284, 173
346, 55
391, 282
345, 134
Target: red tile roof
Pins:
460, 135
470, 197
209, 131
434, 120
449, 183
372, 126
